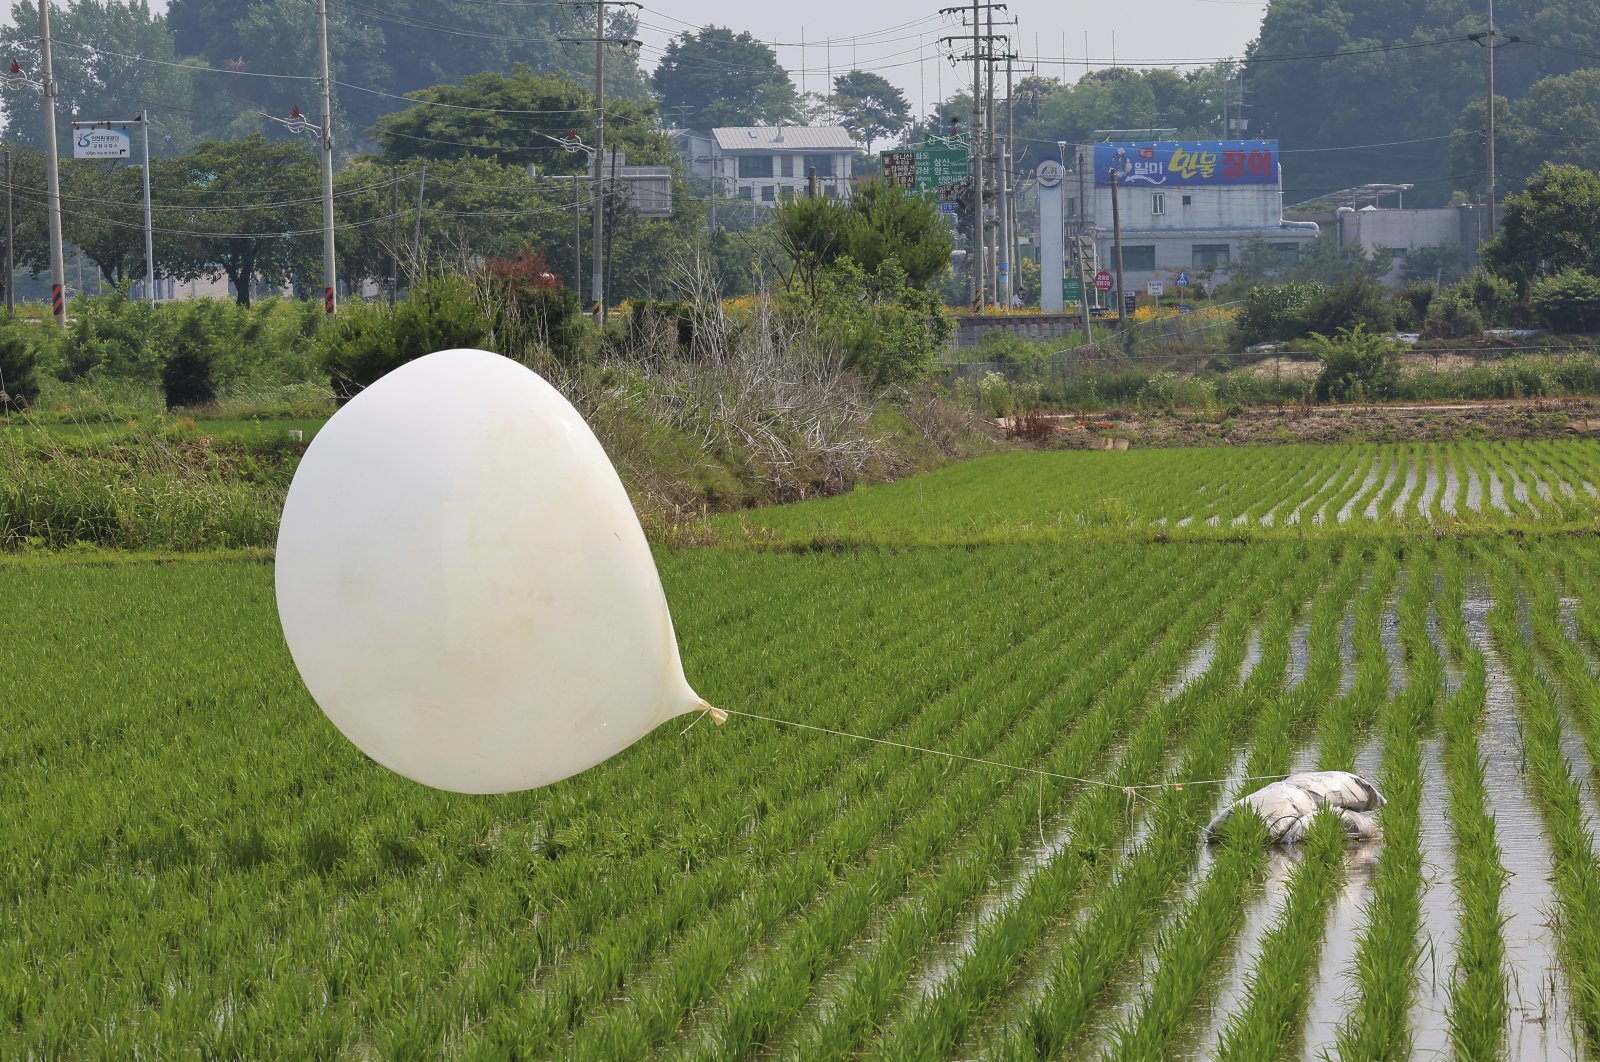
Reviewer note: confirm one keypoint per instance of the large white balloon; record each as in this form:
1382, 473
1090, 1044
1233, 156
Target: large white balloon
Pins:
464, 585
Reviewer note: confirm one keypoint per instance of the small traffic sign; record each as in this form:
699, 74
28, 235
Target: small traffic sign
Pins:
1102, 281
1184, 308
1181, 280
1154, 288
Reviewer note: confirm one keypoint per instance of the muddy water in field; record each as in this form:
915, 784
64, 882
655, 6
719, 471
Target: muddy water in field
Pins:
1497, 493
1541, 1020
1358, 474
1569, 623
1430, 486
1440, 924
1326, 485
1407, 489
1452, 486
942, 958
1371, 511
1474, 490
1368, 482
1299, 651
1519, 490
1262, 910
1252, 656
1334, 988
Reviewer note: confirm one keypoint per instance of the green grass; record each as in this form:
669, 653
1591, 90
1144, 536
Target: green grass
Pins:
199, 864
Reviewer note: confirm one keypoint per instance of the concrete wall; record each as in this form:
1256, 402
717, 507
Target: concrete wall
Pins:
1403, 230
970, 329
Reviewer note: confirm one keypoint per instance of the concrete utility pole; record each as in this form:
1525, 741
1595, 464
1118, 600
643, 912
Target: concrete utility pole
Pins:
975, 167
597, 277
1489, 41
394, 234
1080, 240
58, 264
11, 275
992, 273
149, 230
1116, 236
330, 279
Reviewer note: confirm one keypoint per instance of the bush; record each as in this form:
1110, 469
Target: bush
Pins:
535, 313
1568, 301
1414, 305
369, 340
19, 380
1357, 365
889, 331
1495, 297
1277, 311
187, 378
1355, 303
111, 337
1451, 315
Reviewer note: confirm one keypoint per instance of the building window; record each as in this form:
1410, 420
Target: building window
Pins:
767, 193
1210, 254
830, 192
786, 165
1188, 199
1139, 258
823, 164
746, 192
1072, 208
755, 165
1158, 202
1288, 253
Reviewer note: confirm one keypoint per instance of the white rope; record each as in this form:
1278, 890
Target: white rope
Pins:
1130, 790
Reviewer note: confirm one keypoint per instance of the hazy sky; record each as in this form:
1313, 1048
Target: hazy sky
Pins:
900, 38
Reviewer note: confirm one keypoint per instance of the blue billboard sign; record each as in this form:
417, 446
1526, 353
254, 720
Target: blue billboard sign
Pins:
1187, 163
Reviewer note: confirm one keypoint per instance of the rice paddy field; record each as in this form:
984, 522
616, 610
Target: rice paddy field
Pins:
198, 864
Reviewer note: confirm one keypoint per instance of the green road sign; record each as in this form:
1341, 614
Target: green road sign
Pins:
925, 168
1072, 289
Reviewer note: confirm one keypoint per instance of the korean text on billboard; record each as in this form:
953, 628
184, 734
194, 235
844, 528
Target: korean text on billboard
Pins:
1187, 162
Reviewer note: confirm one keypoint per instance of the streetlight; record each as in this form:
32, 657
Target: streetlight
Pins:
297, 122
571, 144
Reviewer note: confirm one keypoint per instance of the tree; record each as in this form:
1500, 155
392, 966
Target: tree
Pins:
811, 233
517, 119
1557, 121
94, 84
1569, 301
869, 106
1553, 225
883, 221
1357, 365
714, 77
246, 209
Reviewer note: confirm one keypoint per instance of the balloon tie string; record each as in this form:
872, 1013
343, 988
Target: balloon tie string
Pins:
1130, 791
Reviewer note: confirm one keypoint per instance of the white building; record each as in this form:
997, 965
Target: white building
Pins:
765, 163
1186, 206
1393, 233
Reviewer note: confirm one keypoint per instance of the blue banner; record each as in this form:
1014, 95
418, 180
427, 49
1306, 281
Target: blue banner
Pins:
1187, 163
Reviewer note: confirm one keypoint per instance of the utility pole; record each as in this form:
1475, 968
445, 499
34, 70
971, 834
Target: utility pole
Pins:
330, 278
11, 276
597, 278
976, 144
1080, 240
975, 153
149, 230
416, 235
394, 233
1490, 43
992, 273
58, 264
1116, 236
